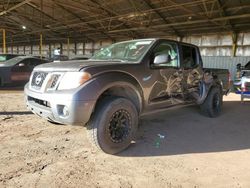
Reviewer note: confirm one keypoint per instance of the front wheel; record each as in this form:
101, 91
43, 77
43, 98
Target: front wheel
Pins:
213, 103
113, 125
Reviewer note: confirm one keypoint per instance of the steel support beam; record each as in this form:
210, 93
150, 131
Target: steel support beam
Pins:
41, 45
113, 17
68, 46
54, 19
198, 15
234, 46
4, 41
111, 14
81, 19
223, 12
161, 16
188, 23
14, 7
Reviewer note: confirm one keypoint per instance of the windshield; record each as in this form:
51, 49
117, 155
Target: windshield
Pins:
5, 57
247, 66
10, 62
124, 51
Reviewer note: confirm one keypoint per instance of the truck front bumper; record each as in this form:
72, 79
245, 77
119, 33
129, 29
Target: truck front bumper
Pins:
59, 107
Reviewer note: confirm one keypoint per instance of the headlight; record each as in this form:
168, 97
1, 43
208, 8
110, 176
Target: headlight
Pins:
71, 80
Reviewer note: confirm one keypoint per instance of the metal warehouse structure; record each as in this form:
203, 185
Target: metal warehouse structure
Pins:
116, 19
218, 27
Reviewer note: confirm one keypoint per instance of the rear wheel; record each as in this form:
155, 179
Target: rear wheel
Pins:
113, 125
213, 103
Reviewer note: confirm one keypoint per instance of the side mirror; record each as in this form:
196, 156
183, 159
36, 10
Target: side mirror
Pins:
162, 59
21, 65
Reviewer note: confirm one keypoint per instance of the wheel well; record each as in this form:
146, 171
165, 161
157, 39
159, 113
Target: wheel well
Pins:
122, 91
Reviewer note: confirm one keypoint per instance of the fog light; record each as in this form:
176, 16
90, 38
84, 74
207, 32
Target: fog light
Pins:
65, 111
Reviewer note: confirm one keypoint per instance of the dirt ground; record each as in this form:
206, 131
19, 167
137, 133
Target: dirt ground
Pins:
196, 151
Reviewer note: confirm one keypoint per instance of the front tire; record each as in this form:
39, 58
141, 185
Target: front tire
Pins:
113, 125
213, 103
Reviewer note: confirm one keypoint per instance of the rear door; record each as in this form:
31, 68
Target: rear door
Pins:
191, 67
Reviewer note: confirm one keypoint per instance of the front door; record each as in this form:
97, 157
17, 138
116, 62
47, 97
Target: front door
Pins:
167, 89
21, 71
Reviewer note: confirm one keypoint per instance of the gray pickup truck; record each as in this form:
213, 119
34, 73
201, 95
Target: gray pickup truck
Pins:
110, 91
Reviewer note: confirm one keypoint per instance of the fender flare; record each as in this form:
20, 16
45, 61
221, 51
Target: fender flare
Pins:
106, 81
102, 82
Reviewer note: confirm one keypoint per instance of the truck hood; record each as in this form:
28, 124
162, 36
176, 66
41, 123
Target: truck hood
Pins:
74, 66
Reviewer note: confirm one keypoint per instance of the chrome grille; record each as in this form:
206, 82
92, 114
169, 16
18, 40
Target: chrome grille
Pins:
38, 79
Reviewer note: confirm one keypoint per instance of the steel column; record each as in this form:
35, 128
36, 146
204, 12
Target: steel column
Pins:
41, 45
68, 47
4, 41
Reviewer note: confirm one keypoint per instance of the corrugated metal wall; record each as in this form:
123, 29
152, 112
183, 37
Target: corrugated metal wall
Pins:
221, 45
224, 62
216, 50
210, 45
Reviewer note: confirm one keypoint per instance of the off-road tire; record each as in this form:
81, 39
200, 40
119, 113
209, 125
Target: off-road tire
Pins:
101, 127
213, 103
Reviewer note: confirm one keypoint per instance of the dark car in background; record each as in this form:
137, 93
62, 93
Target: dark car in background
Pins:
17, 70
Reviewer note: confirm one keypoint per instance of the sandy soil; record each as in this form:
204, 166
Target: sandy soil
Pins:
196, 151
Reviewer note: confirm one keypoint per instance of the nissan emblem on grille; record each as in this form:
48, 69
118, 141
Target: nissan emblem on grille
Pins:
38, 79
